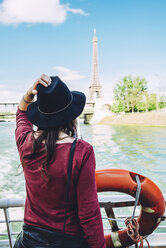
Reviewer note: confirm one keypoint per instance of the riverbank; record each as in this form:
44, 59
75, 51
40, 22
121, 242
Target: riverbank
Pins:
8, 119
7, 116
142, 119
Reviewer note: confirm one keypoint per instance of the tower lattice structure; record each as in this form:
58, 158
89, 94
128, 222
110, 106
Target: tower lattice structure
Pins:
95, 87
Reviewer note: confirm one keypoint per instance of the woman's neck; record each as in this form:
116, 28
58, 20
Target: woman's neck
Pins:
63, 137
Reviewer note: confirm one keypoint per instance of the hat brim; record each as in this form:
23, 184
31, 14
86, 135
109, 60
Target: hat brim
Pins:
60, 118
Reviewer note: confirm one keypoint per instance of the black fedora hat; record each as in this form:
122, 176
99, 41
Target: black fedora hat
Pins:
55, 105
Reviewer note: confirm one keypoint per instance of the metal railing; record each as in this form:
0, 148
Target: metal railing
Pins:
107, 203
5, 205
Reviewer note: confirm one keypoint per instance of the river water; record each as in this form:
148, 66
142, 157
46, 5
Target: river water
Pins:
135, 148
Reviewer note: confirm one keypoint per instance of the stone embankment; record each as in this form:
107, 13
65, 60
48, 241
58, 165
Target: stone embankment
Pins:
142, 119
7, 117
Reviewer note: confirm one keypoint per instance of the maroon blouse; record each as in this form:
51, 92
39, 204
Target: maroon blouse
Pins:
45, 199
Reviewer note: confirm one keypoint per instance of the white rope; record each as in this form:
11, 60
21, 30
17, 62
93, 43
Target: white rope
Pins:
137, 195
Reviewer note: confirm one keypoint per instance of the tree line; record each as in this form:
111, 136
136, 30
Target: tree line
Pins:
131, 95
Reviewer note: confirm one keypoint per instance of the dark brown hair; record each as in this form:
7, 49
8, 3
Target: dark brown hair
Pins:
50, 136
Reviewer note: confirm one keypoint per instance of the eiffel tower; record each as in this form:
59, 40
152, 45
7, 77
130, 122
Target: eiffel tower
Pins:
95, 87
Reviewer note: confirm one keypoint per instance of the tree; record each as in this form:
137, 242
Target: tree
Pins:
117, 107
152, 100
162, 102
130, 91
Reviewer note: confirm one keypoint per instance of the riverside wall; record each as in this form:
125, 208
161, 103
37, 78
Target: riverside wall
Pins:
143, 119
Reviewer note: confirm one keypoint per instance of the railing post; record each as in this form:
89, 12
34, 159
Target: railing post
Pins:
110, 214
9, 227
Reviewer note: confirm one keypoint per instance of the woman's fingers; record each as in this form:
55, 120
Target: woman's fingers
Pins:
46, 79
34, 92
44, 83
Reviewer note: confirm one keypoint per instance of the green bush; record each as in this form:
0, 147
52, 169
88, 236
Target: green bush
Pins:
118, 107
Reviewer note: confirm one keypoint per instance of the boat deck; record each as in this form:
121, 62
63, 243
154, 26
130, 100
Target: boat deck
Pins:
110, 204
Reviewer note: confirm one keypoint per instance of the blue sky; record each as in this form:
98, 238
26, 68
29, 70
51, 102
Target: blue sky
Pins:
55, 37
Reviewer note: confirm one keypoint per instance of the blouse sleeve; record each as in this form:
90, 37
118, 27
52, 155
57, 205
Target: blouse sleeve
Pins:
88, 205
23, 127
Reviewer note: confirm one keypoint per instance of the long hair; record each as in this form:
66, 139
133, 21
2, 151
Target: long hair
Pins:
50, 137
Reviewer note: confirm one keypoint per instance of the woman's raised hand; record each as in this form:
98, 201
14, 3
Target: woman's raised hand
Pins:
44, 80
29, 96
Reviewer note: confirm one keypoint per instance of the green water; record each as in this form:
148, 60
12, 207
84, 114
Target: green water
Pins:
139, 149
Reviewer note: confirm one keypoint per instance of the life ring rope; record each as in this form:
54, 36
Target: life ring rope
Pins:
133, 232
138, 191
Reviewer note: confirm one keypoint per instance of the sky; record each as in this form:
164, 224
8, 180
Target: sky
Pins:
55, 37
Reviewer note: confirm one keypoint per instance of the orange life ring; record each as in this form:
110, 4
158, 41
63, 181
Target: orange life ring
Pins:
151, 201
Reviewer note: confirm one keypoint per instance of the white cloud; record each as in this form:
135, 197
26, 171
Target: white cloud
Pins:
76, 11
68, 75
10, 96
11, 93
2, 86
35, 11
